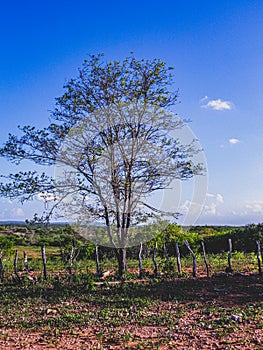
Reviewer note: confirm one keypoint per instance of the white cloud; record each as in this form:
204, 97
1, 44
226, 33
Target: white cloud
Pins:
219, 198
213, 205
254, 206
211, 209
233, 141
12, 213
248, 212
217, 105
185, 206
204, 99
46, 196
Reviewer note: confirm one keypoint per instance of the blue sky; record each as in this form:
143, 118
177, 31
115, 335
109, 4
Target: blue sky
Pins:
215, 47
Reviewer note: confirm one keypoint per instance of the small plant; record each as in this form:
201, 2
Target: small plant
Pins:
168, 266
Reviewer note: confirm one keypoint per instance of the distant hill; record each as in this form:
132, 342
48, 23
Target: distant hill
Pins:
5, 223
23, 223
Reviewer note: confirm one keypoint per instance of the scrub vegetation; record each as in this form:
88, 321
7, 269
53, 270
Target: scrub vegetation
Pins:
78, 308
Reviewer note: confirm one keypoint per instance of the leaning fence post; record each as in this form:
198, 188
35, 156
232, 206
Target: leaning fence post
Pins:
44, 260
205, 260
177, 254
259, 257
193, 256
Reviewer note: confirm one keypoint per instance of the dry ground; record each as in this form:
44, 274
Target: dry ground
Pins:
224, 312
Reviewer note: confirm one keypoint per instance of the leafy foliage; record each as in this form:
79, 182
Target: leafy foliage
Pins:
114, 111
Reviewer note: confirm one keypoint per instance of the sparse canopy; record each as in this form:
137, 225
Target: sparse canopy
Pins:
112, 147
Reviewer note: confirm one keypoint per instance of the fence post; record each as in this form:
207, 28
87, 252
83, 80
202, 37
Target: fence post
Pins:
44, 260
16, 276
71, 257
26, 263
259, 257
154, 260
140, 260
229, 268
193, 256
1, 267
15, 263
178, 260
98, 271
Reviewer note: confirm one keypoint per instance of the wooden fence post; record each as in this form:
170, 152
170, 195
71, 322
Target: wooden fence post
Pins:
26, 263
16, 276
140, 261
259, 257
98, 271
229, 256
44, 260
15, 263
71, 257
1, 267
178, 260
154, 260
193, 257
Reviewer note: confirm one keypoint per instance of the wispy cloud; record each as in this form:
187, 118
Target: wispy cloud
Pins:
217, 105
205, 98
212, 207
255, 206
10, 210
219, 198
249, 211
233, 141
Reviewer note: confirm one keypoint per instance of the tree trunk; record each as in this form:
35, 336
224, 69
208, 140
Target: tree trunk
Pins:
121, 257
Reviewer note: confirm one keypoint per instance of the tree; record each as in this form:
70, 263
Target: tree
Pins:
110, 138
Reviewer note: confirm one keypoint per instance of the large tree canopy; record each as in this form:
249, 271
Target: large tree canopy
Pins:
111, 141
